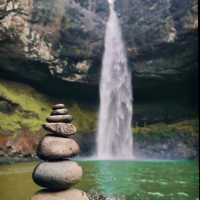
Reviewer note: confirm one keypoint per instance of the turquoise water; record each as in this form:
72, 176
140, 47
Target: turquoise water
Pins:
137, 180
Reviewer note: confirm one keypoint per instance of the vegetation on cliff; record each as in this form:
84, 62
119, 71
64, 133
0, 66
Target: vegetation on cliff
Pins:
21, 107
85, 118
24, 108
161, 131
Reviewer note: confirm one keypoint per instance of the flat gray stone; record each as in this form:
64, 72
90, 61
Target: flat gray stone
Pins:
53, 148
58, 106
71, 194
60, 129
57, 175
60, 118
63, 111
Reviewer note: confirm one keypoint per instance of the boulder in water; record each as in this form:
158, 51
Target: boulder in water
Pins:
57, 148
57, 175
72, 194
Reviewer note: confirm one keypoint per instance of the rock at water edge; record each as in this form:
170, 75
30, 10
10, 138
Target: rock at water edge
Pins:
57, 175
72, 194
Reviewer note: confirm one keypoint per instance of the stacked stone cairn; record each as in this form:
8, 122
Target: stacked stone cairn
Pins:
57, 173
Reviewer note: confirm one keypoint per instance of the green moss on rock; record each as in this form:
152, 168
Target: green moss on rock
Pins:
28, 110
85, 118
161, 130
32, 107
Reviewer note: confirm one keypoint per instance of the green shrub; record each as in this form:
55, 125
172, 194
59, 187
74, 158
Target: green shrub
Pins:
190, 127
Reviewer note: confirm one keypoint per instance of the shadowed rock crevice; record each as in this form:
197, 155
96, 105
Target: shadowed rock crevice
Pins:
7, 106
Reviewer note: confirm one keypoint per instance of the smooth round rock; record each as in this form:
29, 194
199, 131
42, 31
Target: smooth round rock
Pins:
58, 106
57, 148
72, 194
63, 111
60, 118
61, 129
57, 175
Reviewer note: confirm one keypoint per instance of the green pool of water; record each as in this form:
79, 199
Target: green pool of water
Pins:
137, 180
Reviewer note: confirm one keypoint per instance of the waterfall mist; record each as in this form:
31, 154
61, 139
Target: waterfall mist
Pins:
114, 138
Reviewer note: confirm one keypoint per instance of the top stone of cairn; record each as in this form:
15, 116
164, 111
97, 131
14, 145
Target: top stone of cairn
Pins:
58, 106
59, 115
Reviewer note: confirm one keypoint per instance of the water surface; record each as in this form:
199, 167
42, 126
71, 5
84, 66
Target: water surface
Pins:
137, 180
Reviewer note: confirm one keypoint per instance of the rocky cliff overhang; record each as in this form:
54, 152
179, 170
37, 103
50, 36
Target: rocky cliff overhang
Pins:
62, 41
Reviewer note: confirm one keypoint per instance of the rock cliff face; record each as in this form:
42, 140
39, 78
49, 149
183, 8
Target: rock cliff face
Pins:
58, 45
42, 40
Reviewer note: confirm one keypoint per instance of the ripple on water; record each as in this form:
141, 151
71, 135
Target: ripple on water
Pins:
147, 181
181, 182
183, 194
158, 194
163, 183
135, 180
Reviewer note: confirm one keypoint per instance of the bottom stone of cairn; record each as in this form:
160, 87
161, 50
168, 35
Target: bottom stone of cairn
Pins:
71, 194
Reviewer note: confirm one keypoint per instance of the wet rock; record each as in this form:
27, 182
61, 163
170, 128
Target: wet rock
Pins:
57, 148
60, 118
2, 154
63, 111
99, 196
72, 194
60, 129
57, 175
58, 106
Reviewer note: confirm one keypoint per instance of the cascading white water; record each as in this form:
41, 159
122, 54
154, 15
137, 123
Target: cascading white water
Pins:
114, 138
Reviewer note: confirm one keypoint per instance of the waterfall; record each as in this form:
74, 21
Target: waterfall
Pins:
114, 137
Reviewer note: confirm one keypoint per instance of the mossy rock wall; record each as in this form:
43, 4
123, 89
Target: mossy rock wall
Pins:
24, 109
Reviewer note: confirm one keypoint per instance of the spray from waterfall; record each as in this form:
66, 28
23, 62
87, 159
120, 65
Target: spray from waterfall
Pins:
114, 138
